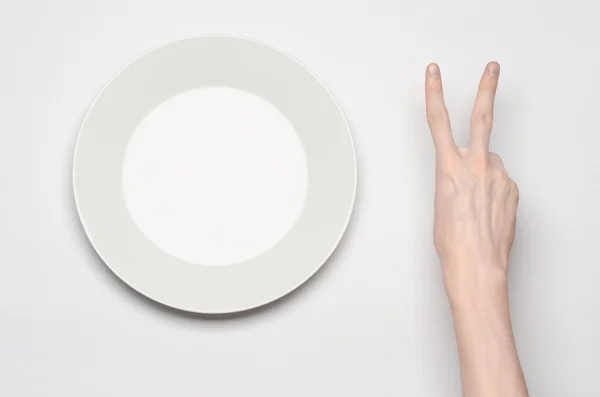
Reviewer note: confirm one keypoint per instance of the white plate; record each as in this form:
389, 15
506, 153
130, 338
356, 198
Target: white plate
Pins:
208, 61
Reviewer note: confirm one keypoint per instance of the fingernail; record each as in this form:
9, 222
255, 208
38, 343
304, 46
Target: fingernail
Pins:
493, 69
433, 69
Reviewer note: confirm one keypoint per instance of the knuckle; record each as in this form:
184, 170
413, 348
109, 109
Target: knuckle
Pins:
479, 164
494, 156
496, 160
448, 163
501, 175
437, 117
514, 189
484, 117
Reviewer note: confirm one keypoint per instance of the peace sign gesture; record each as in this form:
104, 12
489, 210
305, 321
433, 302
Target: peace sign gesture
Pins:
475, 214
475, 200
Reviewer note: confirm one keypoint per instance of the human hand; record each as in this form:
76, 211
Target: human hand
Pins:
475, 213
475, 200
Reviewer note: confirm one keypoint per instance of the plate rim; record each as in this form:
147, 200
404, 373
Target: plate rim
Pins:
250, 307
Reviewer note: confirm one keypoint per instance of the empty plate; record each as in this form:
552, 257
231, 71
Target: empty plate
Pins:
214, 174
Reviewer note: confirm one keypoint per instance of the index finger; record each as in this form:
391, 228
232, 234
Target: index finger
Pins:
483, 110
437, 114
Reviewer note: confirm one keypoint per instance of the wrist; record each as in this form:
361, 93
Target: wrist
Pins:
469, 285
481, 304
475, 306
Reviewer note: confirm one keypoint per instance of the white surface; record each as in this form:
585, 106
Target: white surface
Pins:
374, 321
200, 62
215, 176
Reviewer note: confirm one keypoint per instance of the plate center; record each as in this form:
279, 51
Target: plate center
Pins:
215, 176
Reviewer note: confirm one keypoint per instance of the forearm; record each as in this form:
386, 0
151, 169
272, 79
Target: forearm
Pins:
488, 356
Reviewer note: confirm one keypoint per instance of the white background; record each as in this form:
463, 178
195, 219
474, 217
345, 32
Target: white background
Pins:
374, 321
